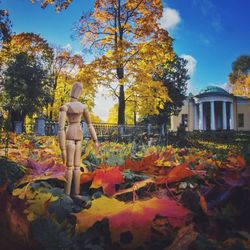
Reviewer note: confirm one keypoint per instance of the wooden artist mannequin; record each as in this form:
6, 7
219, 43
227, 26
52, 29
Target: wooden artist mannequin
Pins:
70, 142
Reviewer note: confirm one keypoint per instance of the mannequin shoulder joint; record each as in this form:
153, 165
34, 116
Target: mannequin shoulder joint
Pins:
64, 108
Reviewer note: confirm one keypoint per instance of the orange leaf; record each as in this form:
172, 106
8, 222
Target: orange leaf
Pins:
203, 203
135, 217
107, 178
178, 173
146, 164
86, 177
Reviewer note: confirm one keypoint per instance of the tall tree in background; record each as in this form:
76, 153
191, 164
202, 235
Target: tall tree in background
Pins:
146, 100
129, 115
30, 43
175, 80
61, 63
126, 36
64, 66
5, 26
26, 87
59, 4
239, 78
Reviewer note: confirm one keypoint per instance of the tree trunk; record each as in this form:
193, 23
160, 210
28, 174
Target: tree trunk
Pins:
51, 113
121, 108
53, 98
15, 116
135, 118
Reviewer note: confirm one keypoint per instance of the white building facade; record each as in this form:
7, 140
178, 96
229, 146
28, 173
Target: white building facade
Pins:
214, 109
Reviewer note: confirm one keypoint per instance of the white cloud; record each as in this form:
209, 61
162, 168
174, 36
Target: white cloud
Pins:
191, 64
170, 19
191, 67
103, 104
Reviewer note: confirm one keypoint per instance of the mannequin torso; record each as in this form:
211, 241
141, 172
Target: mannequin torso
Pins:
74, 111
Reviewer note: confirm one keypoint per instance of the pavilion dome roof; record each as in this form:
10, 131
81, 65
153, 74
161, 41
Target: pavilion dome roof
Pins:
213, 90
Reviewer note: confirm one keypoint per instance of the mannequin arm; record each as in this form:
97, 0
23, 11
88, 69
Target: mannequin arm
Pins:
61, 132
89, 125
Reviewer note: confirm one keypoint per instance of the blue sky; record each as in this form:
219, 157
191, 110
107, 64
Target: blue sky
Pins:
214, 33
211, 34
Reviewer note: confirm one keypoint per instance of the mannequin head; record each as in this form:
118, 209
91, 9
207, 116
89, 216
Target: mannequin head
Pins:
76, 90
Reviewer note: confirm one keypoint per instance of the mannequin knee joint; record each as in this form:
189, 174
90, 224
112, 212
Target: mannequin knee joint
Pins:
70, 168
77, 168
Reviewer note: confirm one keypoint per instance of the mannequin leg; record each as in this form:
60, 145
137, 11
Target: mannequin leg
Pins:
77, 164
70, 151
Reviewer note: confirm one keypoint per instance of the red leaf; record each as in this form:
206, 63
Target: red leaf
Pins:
87, 177
107, 178
178, 173
146, 164
203, 203
135, 217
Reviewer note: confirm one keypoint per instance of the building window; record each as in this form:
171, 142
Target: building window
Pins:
240, 120
184, 119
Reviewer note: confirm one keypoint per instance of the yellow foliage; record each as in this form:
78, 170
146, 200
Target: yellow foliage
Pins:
94, 118
35, 199
68, 68
112, 117
30, 43
242, 86
134, 45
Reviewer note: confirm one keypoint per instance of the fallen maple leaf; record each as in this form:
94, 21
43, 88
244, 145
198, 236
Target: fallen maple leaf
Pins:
43, 171
167, 158
107, 178
178, 173
135, 217
145, 165
86, 177
36, 201
236, 162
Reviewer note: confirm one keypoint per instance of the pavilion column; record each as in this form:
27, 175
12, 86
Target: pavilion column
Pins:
224, 115
201, 116
212, 116
231, 115
195, 117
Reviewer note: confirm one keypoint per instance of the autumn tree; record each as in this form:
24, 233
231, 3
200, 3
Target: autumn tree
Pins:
175, 79
146, 100
26, 87
30, 43
64, 67
129, 115
5, 26
67, 68
59, 4
239, 78
129, 42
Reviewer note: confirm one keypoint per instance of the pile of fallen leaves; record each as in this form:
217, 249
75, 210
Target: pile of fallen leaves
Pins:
134, 197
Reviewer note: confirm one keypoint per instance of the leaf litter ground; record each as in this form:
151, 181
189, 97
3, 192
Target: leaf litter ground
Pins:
135, 197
